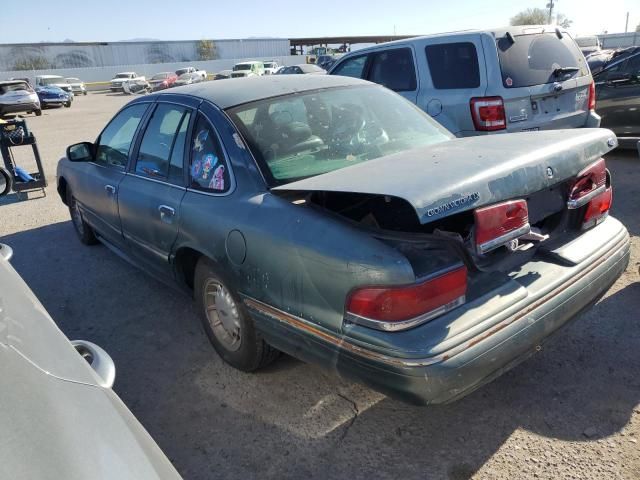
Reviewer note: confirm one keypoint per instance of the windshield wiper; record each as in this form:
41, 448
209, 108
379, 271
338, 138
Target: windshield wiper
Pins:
562, 70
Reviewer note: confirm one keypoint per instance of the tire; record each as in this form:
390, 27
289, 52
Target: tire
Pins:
83, 229
67, 105
6, 182
235, 337
38, 113
84, 93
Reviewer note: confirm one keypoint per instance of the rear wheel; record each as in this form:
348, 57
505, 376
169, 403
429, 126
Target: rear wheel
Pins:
229, 327
82, 228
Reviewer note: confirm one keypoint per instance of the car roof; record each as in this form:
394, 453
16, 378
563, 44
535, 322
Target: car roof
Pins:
236, 91
495, 32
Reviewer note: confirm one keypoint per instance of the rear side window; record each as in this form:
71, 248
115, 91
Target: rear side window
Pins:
162, 149
534, 59
394, 69
352, 67
208, 171
453, 65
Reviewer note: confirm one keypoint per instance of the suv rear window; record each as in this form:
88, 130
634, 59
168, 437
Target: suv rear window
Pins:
453, 65
532, 59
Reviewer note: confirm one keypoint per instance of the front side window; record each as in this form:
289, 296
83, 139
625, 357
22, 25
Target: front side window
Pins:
162, 148
352, 67
208, 171
305, 134
453, 65
115, 140
394, 69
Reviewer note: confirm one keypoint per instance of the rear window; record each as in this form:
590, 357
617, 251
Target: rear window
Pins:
533, 59
453, 65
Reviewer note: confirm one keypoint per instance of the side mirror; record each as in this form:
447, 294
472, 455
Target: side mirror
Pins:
80, 152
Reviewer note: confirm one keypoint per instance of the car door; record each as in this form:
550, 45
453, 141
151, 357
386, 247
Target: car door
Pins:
151, 193
395, 69
618, 97
96, 188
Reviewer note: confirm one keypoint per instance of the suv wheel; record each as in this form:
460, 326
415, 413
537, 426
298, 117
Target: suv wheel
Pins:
82, 228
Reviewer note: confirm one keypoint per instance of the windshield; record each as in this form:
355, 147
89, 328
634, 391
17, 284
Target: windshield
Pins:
72, 80
15, 87
301, 135
182, 71
52, 81
268, 65
533, 59
123, 75
587, 41
160, 76
242, 66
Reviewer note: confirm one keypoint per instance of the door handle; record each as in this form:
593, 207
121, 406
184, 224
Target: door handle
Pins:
110, 189
166, 213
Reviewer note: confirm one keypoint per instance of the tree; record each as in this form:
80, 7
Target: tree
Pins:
207, 50
530, 16
538, 16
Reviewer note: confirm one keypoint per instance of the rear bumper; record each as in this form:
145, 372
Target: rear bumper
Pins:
19, 107
507, 326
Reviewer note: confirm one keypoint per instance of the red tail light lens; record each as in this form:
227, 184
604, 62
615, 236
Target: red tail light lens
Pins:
398, 308
488, 113
598, 209
589, 183
592, 96
499, 224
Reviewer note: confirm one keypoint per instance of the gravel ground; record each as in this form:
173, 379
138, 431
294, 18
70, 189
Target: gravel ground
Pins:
572, 411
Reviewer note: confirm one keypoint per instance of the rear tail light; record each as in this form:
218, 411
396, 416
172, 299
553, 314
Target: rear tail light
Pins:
498, 224
402, 307
592, 96
488, 113
589, 183
593, 189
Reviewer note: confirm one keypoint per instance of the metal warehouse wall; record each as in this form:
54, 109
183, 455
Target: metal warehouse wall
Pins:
103, 74
52, 56
616, 40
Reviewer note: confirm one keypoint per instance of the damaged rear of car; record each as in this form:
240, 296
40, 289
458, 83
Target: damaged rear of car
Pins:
420, 264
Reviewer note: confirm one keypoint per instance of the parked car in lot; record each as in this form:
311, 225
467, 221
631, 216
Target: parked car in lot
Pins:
77, 85
618, 97
187, 79
223, 75
247, 69
17, 96
163, 80
328, 218
589, 45
201, 73
53, 81
302, 69
482, 82
54, 97
61, 419
271, 67
116, 82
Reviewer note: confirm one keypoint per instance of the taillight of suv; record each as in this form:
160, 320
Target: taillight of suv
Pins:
488, 113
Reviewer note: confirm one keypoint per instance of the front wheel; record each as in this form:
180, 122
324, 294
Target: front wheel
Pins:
229, 327
38, 113
84, 93
82, 228
67, 105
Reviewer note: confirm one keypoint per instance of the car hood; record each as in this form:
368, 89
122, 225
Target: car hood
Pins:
465, 173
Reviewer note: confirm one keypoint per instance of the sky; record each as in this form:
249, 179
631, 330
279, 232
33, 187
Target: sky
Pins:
114, 20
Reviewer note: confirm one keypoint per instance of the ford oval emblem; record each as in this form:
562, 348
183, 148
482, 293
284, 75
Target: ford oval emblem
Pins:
549, 172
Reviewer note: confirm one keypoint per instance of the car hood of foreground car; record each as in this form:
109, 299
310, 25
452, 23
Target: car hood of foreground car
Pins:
57, 421
466, 173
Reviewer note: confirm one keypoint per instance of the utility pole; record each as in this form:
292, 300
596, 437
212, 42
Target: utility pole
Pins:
626, 23
550, 7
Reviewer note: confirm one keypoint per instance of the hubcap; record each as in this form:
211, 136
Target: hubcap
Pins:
222, 315
76, 216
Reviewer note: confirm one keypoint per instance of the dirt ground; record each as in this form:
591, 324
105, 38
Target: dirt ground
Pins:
572, 411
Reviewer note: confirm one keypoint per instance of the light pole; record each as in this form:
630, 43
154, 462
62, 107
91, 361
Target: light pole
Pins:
550, 7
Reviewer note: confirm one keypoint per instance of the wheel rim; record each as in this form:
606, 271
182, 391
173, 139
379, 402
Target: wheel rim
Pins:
222, 315
76, 217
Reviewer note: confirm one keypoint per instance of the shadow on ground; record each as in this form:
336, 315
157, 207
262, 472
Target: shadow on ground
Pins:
295, 420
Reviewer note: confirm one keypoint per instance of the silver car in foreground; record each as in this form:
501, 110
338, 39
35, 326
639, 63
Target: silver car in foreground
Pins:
59, 418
